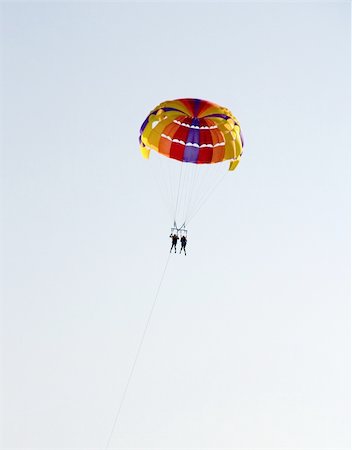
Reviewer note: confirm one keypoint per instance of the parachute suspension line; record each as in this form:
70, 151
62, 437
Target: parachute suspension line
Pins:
191, 187
200, 188
171, 175
184, 193
178, 190
163, 185
187, 184
206, 197
140, 345
167, 193
194, 176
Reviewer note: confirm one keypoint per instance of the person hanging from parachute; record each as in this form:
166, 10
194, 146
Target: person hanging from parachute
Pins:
183, 244
174, 237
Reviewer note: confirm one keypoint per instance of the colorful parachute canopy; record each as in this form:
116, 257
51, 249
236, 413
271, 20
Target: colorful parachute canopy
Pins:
192, 131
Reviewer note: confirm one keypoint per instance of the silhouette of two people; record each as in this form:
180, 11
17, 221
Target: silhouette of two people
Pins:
174, 238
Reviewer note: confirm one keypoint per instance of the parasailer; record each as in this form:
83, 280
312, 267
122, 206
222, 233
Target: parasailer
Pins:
174, 238
183, 244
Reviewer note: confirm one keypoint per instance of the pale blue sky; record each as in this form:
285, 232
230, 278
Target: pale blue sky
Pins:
249, 346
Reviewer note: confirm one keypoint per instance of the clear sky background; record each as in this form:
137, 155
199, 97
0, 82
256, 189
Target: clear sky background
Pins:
249, 346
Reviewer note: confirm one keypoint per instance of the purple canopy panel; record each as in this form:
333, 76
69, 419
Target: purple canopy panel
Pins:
191, 151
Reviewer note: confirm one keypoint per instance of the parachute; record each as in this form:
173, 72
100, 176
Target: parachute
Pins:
189, 135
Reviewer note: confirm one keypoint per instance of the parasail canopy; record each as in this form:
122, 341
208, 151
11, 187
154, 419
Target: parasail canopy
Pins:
192, 131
